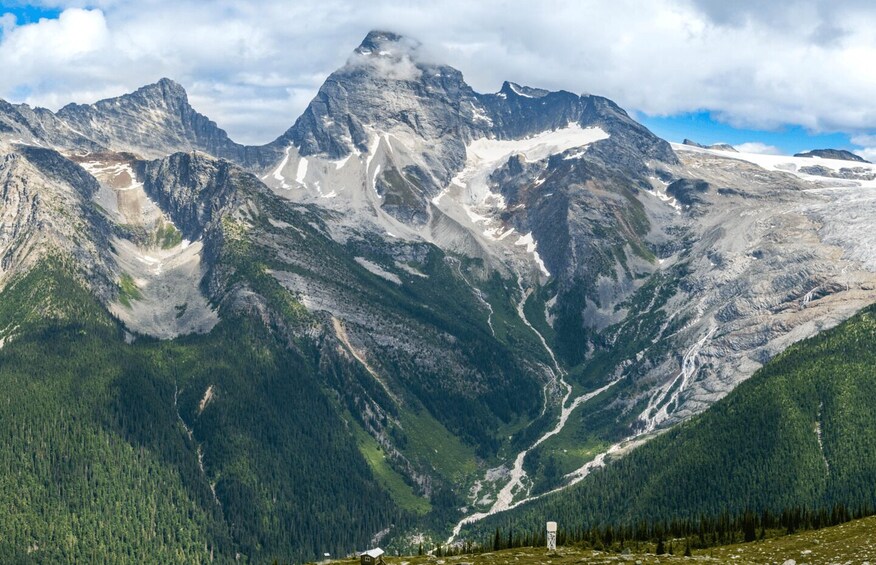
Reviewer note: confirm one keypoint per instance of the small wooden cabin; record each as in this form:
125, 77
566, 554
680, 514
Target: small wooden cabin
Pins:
372, 557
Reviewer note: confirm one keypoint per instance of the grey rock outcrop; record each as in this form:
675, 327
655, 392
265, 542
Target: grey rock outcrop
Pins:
46, 212
847, 173
194, 189
715, 146
841, 154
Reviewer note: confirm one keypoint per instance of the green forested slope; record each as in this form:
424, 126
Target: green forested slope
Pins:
757, 449
98, 465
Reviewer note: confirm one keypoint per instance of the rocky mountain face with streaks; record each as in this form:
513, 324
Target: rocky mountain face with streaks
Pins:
484, 296
385, 89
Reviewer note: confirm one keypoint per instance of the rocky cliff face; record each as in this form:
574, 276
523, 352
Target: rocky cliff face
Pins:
157, 120
47, 212
194, 189
384, 87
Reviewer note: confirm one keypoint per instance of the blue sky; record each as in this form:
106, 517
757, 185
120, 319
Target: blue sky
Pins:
703, 128
788, 76
25, 13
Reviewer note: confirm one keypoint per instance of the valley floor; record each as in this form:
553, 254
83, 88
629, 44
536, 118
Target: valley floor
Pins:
852, 542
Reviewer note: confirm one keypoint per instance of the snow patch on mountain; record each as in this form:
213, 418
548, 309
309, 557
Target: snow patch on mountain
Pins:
301, 172
530, 244
121, 195
278, 172
478, 114
469, 200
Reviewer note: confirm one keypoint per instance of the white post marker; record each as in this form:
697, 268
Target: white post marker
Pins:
552, 536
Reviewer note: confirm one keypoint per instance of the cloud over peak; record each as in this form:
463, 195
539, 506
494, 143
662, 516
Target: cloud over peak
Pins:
388, 55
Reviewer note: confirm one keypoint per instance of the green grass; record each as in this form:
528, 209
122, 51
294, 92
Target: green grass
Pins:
167, 236
852, 542
128, 291
430, 441
401, 492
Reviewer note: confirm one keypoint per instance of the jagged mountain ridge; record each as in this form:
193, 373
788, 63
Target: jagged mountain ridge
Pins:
717, 146
444, 250
153, 121
386, 87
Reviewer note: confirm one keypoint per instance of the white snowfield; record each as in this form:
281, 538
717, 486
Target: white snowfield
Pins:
846, 208
490, 153
483, 156
519, 92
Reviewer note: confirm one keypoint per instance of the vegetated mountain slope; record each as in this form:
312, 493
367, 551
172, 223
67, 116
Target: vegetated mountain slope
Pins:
441, 381
669, 277
763, 255
114, 451
404, 150
799, 434
129, 448
409, 307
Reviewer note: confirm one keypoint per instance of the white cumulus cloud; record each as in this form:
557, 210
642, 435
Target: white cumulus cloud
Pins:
253, 66
867, 146
757, 147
